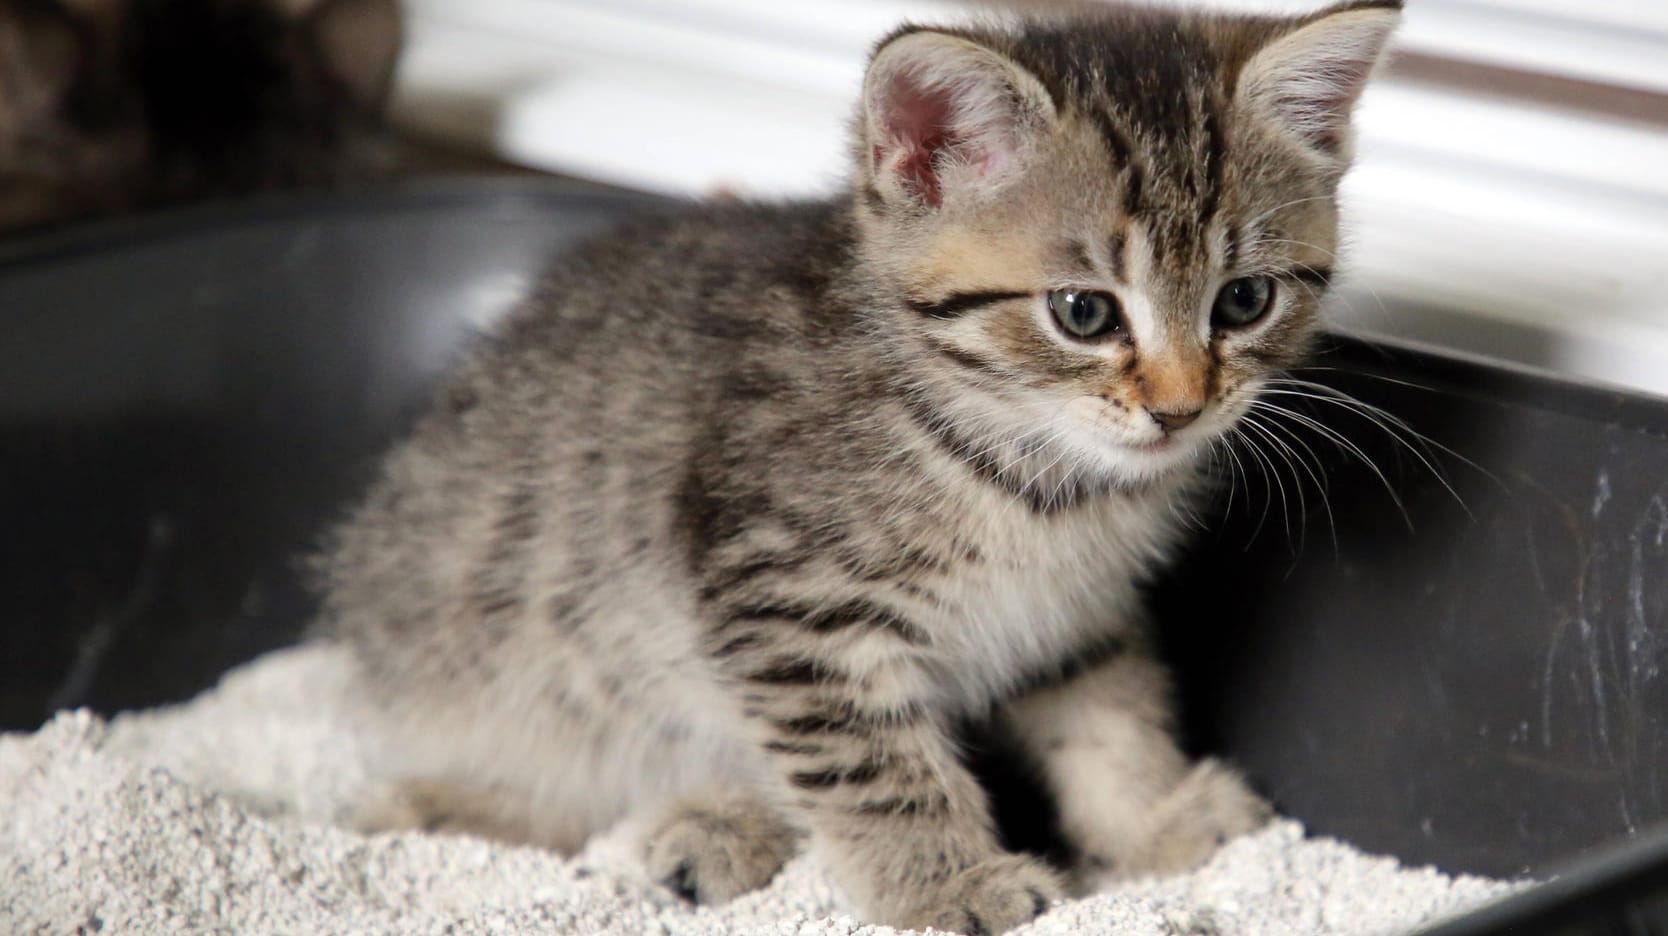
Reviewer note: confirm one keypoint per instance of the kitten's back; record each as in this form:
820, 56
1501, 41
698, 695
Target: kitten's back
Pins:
583, 409
533, 515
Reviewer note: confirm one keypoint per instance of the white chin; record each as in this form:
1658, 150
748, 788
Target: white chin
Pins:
1149, 462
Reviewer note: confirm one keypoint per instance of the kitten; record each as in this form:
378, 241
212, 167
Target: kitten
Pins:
114, 105
753, 504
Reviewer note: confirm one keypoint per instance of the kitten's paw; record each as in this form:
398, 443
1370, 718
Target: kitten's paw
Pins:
1211, 805
713, 849
991, 897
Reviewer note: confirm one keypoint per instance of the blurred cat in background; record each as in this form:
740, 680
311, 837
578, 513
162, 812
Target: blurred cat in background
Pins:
111, 106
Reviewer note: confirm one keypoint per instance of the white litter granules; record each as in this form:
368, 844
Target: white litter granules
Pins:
214, 816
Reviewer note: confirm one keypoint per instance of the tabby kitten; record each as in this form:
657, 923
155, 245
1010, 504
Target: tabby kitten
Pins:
108, 106
753, 504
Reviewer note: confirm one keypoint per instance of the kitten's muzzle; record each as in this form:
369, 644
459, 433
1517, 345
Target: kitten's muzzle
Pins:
1173, 386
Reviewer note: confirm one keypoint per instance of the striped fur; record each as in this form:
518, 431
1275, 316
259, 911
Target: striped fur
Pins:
755, 504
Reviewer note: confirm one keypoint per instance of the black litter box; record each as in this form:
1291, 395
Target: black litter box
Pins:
1460, 663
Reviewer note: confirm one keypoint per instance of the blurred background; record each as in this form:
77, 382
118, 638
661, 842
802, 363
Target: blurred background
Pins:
1511, 196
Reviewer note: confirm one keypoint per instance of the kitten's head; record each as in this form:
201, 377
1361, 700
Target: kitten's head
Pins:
1111, 229
109, 103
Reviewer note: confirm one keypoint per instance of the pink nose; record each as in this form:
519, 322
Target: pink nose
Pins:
1172, 421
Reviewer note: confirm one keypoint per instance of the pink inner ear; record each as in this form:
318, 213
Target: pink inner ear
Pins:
918, 124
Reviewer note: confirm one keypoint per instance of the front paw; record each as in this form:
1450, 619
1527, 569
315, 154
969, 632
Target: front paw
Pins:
991, 897
1211, 805
713, 850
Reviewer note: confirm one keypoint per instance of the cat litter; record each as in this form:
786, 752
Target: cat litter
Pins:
216, 815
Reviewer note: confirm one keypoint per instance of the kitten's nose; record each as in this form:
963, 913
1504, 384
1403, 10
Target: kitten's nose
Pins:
1174, 420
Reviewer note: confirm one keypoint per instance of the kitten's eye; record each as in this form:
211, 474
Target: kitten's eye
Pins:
1085, 314
1242, 301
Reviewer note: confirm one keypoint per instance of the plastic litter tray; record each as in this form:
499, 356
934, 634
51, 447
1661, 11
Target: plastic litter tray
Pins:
1471, 677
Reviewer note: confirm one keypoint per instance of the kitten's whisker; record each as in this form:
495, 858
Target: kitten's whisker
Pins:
1377, 299
1297, 243
1343, 443
1024, 445
1319, 477
1295, 461
1223, 445
1069, 473
1227, 440
1368, 410
1195, 518
1355, 373
997, 440
1351, 409
1053, 438
993, 442
1313, 295
1274, 470
1268, 494
1037, 476
1241, 473
1390, 424
1219, 469
1066, 474
1283, 452
1020, 452
1281, 207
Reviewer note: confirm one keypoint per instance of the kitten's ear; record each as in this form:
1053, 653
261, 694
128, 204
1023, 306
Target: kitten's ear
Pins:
1309, 79
359, 41
41, 49
943, 115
